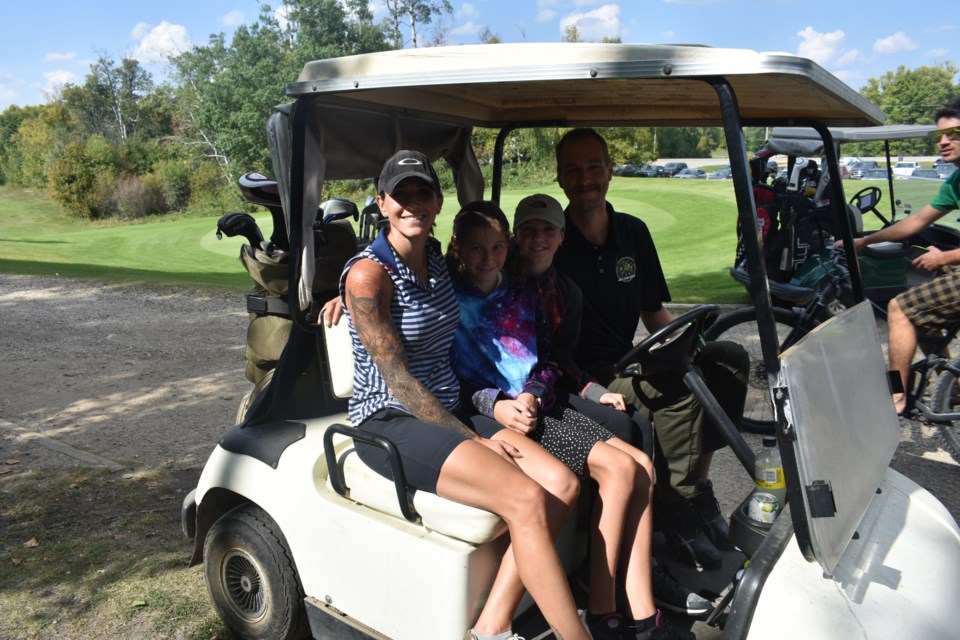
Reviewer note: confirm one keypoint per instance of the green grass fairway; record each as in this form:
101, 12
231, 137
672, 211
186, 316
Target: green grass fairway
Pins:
692, 222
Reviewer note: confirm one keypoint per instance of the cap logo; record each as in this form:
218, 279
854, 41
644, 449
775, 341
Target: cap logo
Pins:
409, 161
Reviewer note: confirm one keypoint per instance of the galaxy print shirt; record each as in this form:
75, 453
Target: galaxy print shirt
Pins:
499, 343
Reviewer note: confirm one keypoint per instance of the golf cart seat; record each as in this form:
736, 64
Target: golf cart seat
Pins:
368, 488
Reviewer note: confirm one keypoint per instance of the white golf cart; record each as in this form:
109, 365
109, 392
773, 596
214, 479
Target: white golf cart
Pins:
299, 537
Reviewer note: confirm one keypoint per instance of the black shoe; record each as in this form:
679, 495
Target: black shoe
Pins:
707, 508
609, 627
673, 596
685, 538
658, 630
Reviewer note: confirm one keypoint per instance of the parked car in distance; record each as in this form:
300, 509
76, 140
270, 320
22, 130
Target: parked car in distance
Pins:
857, 169
925, 174
625, 170
673, 168
905, 168
721, 174
848, 160
875, 174
691, 173
650, 171
944, 169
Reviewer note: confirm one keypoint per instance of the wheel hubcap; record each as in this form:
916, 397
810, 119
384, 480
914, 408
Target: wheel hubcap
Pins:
243, 583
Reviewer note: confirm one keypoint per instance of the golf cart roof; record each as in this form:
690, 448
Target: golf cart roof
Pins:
579, 83
858, 134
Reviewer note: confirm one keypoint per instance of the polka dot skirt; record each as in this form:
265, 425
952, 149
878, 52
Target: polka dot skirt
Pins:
569, 436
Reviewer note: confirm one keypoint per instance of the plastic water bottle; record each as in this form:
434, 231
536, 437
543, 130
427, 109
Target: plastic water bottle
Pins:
768, 471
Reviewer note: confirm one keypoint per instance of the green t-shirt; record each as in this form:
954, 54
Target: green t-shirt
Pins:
948, 198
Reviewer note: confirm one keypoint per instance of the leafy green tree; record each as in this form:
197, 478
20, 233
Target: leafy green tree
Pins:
414, 14
72, 176
11, 156
909, 96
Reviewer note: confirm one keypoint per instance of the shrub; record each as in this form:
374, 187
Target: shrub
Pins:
71, 179
139, 196
210, 193
103, 199
174, 176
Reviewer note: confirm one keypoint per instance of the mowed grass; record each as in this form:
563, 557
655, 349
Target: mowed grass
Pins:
693, 223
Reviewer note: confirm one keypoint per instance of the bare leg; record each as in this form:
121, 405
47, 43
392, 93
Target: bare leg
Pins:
616, 475
563, 487
476, 476
903, 345
638, 536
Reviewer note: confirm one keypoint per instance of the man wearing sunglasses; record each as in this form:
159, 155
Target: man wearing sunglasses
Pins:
924, 309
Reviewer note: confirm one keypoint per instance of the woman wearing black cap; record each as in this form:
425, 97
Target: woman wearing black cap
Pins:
403, 316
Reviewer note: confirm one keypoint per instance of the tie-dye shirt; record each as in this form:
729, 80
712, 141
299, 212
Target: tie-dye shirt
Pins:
499, 343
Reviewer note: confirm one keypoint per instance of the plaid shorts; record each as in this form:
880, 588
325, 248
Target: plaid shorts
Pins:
933, 305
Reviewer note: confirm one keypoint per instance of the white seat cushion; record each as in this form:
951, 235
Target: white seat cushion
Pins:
340, 357
453, 519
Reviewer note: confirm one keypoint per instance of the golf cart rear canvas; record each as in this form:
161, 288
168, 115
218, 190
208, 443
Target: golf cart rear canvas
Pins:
299, 538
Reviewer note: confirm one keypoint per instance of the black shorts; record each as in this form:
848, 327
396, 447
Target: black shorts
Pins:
423, 447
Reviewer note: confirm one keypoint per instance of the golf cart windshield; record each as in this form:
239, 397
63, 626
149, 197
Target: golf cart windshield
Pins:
349, 114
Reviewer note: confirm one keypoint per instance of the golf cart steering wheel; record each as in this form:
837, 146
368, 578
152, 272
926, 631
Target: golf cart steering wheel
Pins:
871, 195
669, 347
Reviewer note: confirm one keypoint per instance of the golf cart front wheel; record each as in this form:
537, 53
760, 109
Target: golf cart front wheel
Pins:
251, 577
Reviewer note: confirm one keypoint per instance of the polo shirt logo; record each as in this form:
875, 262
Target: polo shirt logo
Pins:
626, 269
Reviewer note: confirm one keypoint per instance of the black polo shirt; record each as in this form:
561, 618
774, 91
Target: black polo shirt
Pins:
619, 280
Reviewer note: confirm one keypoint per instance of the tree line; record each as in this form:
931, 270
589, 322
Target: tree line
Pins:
121, 145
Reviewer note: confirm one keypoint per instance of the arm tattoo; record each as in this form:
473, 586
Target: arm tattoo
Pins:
380, 337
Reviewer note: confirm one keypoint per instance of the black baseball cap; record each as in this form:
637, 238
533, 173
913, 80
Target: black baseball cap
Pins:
407, 164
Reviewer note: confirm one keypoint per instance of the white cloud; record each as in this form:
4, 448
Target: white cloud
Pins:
467, 12
60, 57
896, 43
280, 13
849, 57
159, 43
546, 15
8, 88
937, 53
669, 34
822, 48
690, 2
54, 81
233, 19
466, 29
940, 29
595, 25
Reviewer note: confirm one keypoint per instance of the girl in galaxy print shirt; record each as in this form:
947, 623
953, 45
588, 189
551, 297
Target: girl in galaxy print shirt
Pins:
500, 357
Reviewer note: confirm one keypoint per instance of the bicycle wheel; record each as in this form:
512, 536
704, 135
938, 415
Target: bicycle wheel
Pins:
740, 326
946, 399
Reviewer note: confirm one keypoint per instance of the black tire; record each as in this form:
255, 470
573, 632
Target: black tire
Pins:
252, 579
945, 400
740, 326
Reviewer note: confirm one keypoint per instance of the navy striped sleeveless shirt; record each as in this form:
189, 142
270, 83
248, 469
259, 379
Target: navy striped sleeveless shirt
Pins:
426, 316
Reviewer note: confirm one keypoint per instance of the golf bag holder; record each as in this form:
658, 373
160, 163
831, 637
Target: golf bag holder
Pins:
270, 319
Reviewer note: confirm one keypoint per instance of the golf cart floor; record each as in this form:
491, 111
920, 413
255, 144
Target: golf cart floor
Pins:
710, 584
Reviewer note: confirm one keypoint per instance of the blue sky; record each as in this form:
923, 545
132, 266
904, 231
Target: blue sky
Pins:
46, 43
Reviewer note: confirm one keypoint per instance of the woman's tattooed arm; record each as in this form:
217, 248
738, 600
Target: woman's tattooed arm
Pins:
368, 298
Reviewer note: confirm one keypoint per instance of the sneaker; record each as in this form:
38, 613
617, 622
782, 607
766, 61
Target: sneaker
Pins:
659, 631
673, 596
609, 627
714, 526
685, 537
471, 635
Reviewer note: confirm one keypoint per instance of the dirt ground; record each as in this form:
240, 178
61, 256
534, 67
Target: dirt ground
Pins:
112, 398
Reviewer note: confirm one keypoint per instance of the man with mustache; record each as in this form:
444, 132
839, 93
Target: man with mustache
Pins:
612, 258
